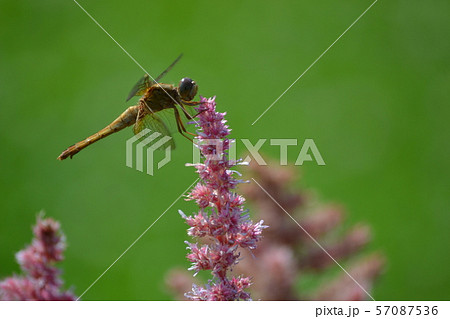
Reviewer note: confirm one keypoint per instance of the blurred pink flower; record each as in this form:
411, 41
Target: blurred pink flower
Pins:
221, 216
41, 280
287, 256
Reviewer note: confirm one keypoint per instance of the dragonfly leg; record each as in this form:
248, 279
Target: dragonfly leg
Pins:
191, 103
184, 129
180, 122
186, 113
198, 113
138, 116
180, 125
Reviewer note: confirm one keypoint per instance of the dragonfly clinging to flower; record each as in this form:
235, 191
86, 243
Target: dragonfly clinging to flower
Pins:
157, 99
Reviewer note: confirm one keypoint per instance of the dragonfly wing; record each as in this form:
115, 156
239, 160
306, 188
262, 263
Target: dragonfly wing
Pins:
168, 68
145, 82
169, 119
140, 87
154, 123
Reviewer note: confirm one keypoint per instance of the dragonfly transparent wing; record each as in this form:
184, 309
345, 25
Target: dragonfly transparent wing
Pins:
168, 68
145, 82
154, 123
140, 87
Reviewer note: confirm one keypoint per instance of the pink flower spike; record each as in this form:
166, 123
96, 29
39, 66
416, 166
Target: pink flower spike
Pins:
41, 280
222, 218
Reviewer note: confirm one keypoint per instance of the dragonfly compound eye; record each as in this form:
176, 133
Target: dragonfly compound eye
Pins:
188, 89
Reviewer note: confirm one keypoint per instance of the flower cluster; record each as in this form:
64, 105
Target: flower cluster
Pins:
287, 254
41, 280
287, 264
221, 217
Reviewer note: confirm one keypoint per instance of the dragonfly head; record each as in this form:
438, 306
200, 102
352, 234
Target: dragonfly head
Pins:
187, 89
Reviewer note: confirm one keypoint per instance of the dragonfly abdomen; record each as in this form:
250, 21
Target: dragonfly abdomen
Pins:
126, 119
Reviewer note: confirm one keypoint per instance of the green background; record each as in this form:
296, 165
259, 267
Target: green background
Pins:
376, 105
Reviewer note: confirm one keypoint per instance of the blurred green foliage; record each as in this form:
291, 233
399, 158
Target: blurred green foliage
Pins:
377, 106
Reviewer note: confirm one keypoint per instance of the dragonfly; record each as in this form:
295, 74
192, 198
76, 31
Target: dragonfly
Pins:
159, 103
